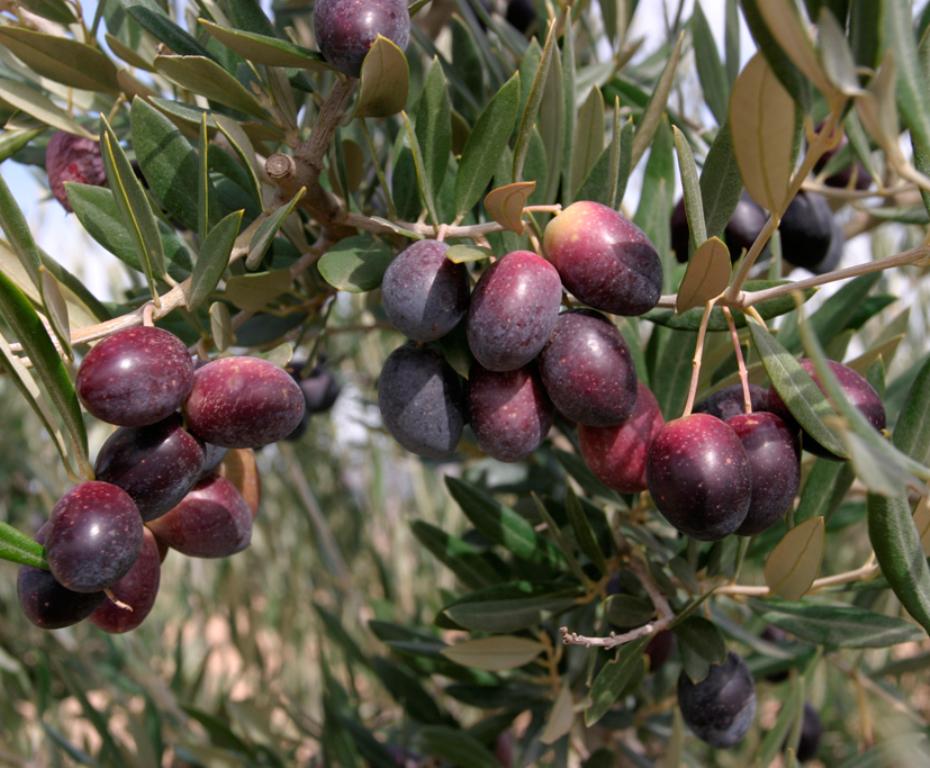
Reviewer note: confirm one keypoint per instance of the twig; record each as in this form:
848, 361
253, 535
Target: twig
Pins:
740, 363
696, 360
859, 574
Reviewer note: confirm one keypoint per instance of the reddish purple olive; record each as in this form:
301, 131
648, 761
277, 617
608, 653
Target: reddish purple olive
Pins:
729, 402
700, 477
604, 259
136, 377
346, 29
136, 590
720, 708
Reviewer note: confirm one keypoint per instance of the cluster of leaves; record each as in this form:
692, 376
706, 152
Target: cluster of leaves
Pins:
236, 252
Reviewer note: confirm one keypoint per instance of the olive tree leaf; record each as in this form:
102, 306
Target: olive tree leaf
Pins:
252, 292
562, 716
795, 562
658, 101
434, 126
385, 80
19, 548
204, 76
512, 606
267, 230
899, 551
912, 430
838, 63
153, 19
485, 144
612, 679
61, 59
533, 102
53, 10
221, 326
356, 264
494, 654
706, 278
762, 121
506, 204
270, 51
466, 562
922, 523
710, 69
212, 260
423, 181
694, 205
458, 747
721, 183
911, 83
40, 107
784, 22
127, 54
460, 254
588, 141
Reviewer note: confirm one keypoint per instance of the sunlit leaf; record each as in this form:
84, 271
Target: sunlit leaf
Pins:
221, 326
783, 21
356, 264
41, 107
266, 232
494, 654
204, 76
270, 51
652, 114
561, 717
460, 254
252, 292
794, 563
61, 59
612, 679
385, 80
505, 204
212, 260
762, 119
706, 278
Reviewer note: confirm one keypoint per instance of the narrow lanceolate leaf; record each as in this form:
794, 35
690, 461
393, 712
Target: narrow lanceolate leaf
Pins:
612, 679
221, 326
533, 101
511, 607
19, 548
782, 19
57, 311
694, 205
266, 232
562, 716
153, 19
458, 747
242, 146
168, 162
797, 389
19, 235
28, 388
127, 54
721, 184
485, 144
434, 126
494, 654
710, 69
133, 207
11, 141
356, 264
621, 159
466, 562
774, 740
657, 104
423, 183
703, 638
252, 292
53, 10
261, 49
584, 533
203, 182
762, 120
40, 107
912, 97
504, 526
896, 542
922, 523
589, 137
212, 260
838, 62
843, 626
912, 432
706, 278
460, 254
30, 332
505, 204
204, 76
385, 80
795, 562
61, 59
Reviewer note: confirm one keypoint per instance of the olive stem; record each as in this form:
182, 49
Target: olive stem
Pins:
696, 361
859, 574
740, 362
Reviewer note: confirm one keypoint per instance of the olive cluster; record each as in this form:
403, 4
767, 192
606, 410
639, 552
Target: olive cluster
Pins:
529, 360
184, 479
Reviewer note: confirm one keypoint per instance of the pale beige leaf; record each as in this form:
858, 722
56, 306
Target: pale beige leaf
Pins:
922, 521
385, 81
794, 563
762, 119
707, 276
676, 743
494, 654
127, 54
837, 57
459, 254
280, 355
505, 204
221, 326
656, 108
885, 351
783, 21
561, 717
252, 292
878, 109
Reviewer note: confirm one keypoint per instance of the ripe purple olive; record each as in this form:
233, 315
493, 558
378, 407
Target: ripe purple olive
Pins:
213, 520
700, 477
136, 377
720, 708
604, 259
346, 29
728, 402
46, 603
617, 455
588, 370
520, 14
856, 389
811, 732
423, 293
156, 465
774, 453
137, 589
243, 402
842, 177
513, 310
94, 536
421, 401
806, 230
510, 412
742, 229
73, 158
